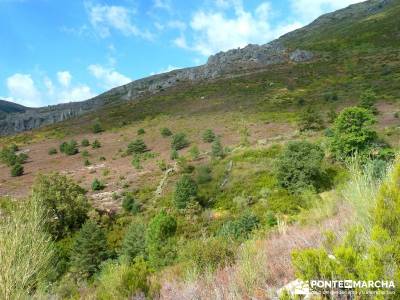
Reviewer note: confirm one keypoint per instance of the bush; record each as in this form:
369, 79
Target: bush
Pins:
8, 156
134, 243
209, 136
26, 251
352, 133
141, 131
299, 166
185, 190
64, 201
174, 154
96, 144
368, 101
52, 151
194, 152
129, 204
89, 250
179, 141
17, 170
203, 174
159, 245
96, 127
240, 228
69, 148
97, 185
165, 132
217, 150
208, 254
124, 281
137, 147
310, 120
85, 143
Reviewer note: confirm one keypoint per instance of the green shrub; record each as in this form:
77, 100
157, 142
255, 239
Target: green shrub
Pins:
134, 243
299, 166
368, 101
64, 201
203, 174
85, 143
129, 204
69, 148
124, 281
194, 152
185, 190
85, 153
217, 151
17, 170
52, 151
160, 246
240, 228
8, 156
208, 254
86, 163
96, 144
271, 219
352, 133
26, 251
209, 136
89, 250
179, 141
96, 127
137, 147
136, 162
141, 131
165, 132
174, 154
310, 120
97, 185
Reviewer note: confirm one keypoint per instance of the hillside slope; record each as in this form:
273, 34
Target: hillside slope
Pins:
370, 24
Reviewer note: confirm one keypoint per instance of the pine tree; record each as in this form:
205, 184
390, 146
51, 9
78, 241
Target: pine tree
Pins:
209, 136
89, 250
216, 149
186, 190
133, 244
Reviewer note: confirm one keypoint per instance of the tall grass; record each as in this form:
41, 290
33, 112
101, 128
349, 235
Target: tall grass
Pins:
25, 251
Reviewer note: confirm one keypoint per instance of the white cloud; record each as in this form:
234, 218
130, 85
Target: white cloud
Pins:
22, 89
308, 10
163, 4
64, 78
109, 78
105, 18
215, 31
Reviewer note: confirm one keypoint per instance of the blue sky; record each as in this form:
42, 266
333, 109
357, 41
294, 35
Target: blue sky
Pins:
55, 51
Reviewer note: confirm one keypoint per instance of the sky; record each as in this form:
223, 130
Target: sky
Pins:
55, 51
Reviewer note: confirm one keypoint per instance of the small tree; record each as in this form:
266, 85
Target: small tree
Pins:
64, 201
165, 132
203, 174
299, 165
96, 127
352, 133
97, 185
129, 204
179, 141
96, 144
141, 131
217, 150
209, 136
134, 243
185, 190
368, 101
158, 239
137, 147
310, 120
89, 250
69, 148
17, 170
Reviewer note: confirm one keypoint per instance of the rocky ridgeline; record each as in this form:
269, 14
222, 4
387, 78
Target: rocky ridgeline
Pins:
219, 65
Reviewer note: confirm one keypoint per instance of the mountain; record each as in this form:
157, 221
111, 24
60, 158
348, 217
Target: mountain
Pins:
371, 24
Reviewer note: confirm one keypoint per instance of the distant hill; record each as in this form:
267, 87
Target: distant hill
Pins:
362, 30
11, 107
